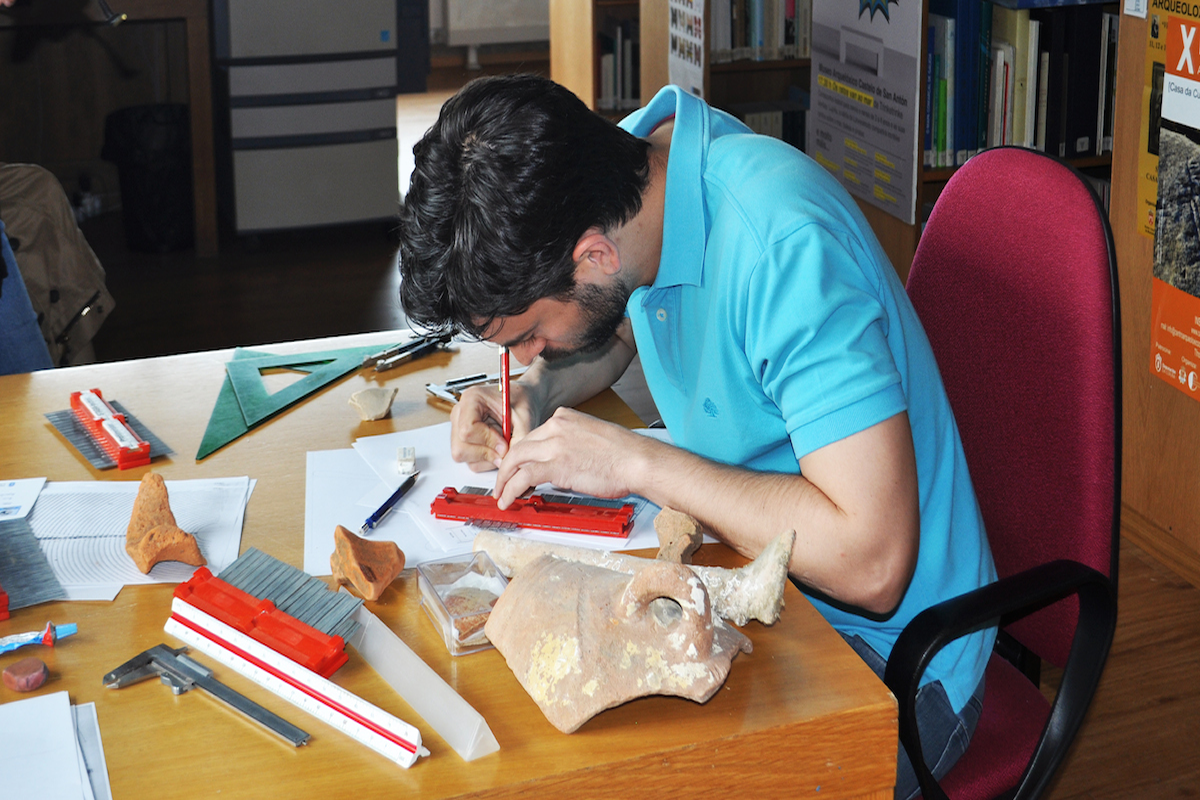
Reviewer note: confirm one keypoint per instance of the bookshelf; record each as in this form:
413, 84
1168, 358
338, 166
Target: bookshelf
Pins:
898, 237
575, 52
575, 63
735, 82
577, 45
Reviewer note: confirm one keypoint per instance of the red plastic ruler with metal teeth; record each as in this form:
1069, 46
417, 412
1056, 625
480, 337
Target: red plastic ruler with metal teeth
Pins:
543, 512
109, 430
263, 622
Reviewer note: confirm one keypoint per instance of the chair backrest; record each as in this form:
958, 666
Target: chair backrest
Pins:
1015, 283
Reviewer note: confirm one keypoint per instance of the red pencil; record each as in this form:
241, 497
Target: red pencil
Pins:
505, 397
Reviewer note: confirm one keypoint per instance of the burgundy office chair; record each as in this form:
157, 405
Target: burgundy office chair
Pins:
1015, 282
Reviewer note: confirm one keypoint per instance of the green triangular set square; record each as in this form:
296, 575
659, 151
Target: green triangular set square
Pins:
244, 401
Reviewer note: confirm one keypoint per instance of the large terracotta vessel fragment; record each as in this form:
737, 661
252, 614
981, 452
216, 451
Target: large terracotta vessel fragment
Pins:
582, 638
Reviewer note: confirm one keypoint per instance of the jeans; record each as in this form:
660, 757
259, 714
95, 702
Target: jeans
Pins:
944, 734
22, 348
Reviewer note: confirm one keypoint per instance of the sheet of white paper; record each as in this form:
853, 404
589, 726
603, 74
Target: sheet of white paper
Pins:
17, 497
335, 481
81, 529
87, 731
93, 591
85, 784
39, 753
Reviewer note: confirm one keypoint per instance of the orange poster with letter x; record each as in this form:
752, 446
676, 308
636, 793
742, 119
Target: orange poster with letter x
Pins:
1175, 298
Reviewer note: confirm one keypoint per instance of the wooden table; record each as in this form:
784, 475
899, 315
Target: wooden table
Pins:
194, 14
800, 715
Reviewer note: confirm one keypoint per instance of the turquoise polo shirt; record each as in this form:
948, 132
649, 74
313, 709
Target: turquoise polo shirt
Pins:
776, 325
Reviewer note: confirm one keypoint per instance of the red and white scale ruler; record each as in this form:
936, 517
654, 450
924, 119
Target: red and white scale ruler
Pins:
392, 738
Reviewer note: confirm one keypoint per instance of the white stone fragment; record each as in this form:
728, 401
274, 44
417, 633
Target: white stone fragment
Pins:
373, 403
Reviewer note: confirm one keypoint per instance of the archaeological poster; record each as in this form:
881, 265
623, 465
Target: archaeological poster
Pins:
865, 97
1175, 297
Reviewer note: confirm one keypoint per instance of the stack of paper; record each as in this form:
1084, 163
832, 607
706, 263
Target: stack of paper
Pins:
51, 749
80, 527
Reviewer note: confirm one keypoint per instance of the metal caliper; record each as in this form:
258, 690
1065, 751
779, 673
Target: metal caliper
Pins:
182, 673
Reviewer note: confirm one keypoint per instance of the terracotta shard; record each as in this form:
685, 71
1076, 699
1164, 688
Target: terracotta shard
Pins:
581, 639
469, 608
369, 567
679, 535
151, 507
153, 535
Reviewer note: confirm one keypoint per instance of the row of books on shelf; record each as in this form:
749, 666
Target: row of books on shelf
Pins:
620, 76
784, 119
1103, 187
759, 30
1043, 78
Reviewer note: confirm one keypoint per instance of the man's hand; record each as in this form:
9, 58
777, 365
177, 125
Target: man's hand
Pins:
476, 437
575, 452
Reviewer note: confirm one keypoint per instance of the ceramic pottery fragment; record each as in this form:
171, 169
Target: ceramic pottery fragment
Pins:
153, 535
373, 403
754, 591
679, 535
581, 639
368, 566
458, 593
26, 675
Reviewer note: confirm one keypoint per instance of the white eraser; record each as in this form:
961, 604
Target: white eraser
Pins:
407, 460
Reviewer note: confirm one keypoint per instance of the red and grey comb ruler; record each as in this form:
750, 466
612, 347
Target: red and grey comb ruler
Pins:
549, 512
282, 653
105, 433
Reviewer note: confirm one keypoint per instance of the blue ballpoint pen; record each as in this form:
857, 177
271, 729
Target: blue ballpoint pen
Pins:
388, 505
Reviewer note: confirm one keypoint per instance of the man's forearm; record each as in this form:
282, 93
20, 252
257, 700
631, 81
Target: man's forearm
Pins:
857, 545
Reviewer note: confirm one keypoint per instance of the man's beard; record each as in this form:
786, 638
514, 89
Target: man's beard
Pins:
603, 310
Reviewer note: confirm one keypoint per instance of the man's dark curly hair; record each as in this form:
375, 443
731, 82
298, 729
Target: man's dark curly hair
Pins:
515, 170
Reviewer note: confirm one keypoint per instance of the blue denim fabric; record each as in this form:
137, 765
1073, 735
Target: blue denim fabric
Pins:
944, 734
22, 348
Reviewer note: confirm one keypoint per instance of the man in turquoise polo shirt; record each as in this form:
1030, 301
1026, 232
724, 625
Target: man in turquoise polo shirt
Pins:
792, 374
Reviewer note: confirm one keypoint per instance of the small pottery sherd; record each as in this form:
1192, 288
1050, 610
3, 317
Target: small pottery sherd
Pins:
679, 535
153, 535
368, 566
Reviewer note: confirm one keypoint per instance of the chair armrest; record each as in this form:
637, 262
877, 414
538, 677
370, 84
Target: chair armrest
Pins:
1003, 602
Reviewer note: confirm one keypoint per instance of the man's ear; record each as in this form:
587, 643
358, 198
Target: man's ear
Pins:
597, 254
